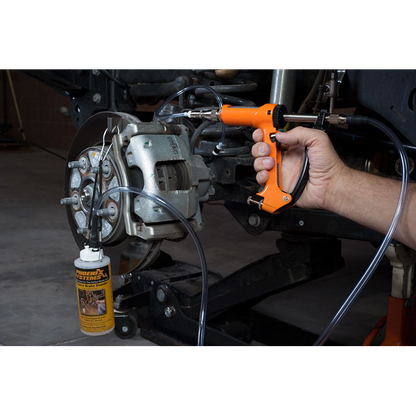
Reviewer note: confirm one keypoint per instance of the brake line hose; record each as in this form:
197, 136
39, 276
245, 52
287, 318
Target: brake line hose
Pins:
351, 120
188, 226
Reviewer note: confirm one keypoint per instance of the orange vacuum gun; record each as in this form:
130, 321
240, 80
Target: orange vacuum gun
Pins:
269, 118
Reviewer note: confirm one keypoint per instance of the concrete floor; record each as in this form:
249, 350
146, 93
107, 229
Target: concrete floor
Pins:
38, 303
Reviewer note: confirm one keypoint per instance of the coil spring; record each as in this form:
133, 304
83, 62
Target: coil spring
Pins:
234, 86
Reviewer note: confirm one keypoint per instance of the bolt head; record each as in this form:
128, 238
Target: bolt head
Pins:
170, 311
254, 220
96, 98
161, 295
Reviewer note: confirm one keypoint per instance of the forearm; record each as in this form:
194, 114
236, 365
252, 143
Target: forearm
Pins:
371, 201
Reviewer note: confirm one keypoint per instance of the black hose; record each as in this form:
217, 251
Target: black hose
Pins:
197, 133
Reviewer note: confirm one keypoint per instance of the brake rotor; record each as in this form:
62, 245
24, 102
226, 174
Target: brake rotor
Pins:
127, 253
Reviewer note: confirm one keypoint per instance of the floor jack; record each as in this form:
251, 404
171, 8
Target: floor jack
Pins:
164, 301
400, 321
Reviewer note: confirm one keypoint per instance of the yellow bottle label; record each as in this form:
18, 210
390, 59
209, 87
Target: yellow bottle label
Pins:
95, 299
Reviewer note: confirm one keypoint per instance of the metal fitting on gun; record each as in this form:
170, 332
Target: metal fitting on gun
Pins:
212, 115
336, 119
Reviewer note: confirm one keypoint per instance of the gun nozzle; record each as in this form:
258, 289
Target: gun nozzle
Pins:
212, 115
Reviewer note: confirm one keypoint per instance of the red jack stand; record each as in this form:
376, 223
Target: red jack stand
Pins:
400, 320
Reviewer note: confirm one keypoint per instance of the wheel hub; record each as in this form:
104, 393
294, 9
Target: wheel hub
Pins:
127, 253
82, 183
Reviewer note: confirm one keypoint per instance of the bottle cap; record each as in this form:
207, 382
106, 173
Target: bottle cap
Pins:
90, 254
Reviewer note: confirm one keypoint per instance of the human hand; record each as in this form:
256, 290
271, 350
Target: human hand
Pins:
325, 167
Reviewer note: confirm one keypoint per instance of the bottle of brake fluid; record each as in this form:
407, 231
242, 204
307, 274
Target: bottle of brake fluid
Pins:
94, 292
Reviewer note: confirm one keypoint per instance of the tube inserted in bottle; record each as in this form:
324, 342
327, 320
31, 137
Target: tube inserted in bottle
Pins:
176, 213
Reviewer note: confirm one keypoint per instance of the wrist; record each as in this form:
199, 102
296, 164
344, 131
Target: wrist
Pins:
340, 190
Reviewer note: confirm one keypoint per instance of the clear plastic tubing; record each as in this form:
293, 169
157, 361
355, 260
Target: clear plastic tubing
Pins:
217, 96
387, 239
188, 226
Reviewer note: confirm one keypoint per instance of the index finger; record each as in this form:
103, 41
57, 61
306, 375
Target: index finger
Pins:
258, 135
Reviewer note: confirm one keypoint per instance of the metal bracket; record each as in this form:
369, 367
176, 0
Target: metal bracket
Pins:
320, 122
402, 259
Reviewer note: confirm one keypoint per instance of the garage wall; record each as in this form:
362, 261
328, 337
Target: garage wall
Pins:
41, 110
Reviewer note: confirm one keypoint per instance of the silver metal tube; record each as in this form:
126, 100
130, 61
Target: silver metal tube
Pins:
283, 87
311, 118
300, 118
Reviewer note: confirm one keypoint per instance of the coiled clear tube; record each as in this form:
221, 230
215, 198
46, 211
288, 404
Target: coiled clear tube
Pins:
387, 239
188, 226
159, 116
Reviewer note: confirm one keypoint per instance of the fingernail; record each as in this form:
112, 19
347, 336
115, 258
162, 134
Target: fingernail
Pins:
279, 135
262, 149
267, 162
